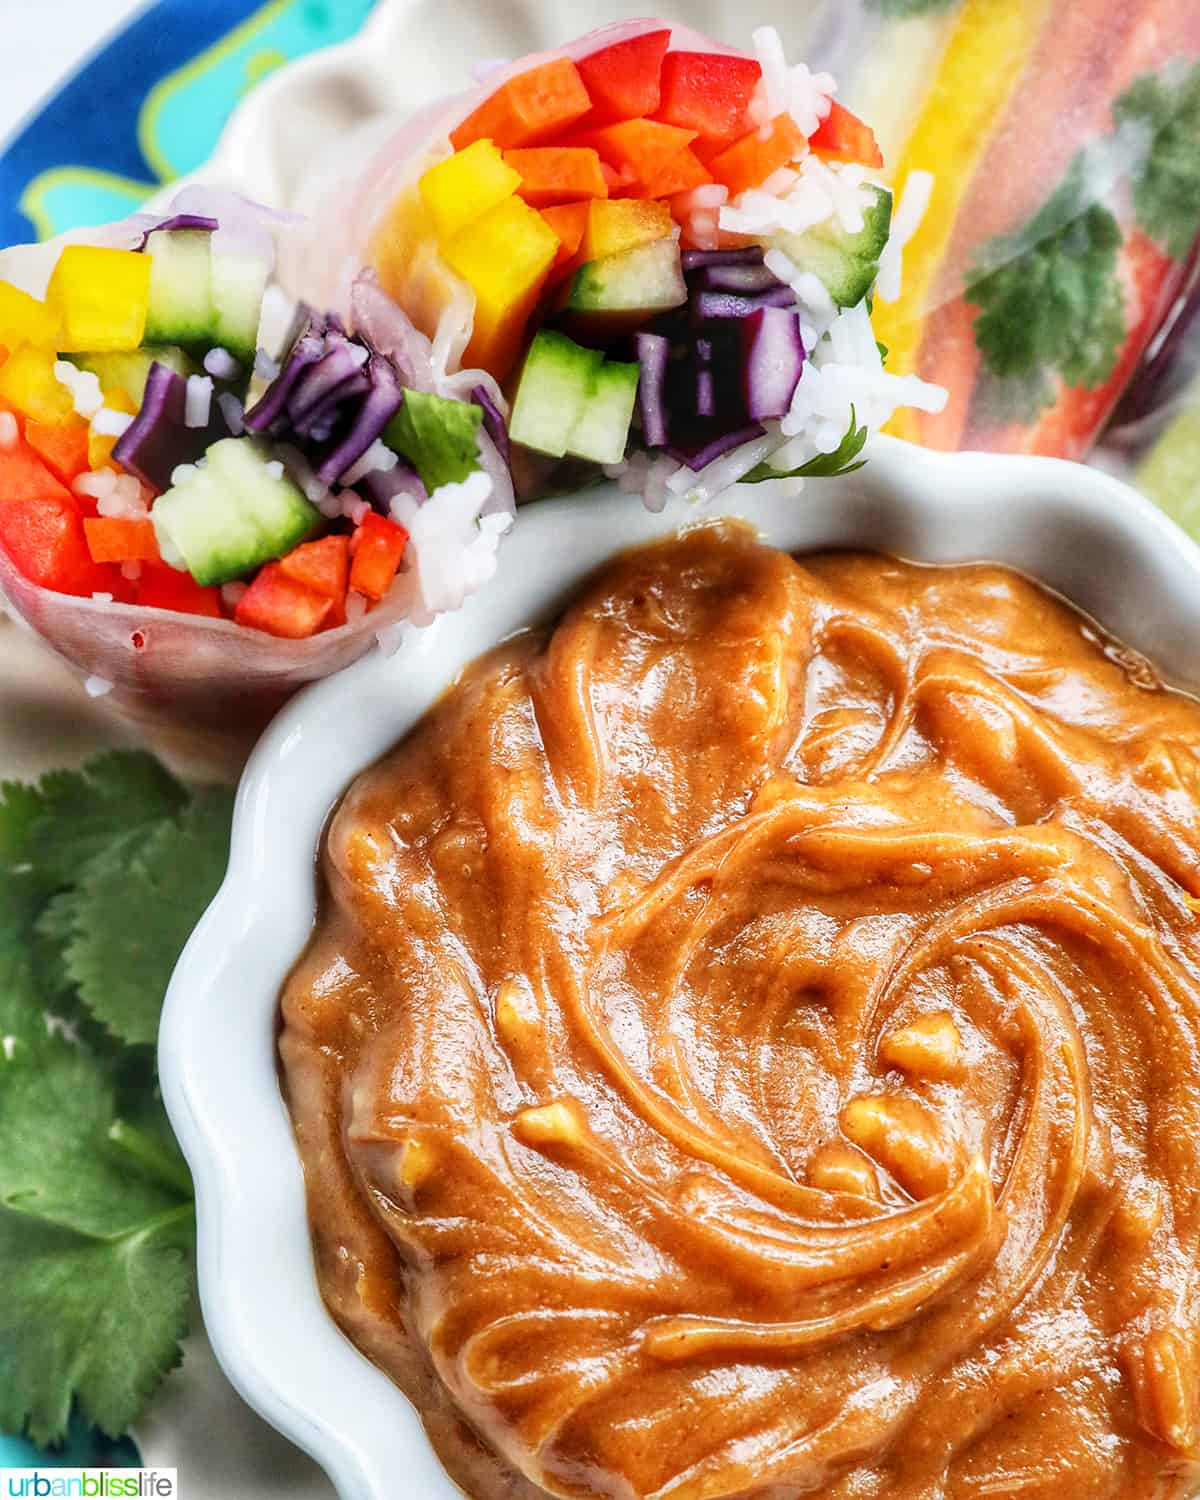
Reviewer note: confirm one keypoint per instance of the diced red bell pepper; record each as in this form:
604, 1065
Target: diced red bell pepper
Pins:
557, 174
639, 149
62, 445
708, 92
23, 476
280, 606
749, 162
624, 79
683, 172
44, 537
530, 108
376, 549
119, 539
842, 136
323, 566
568, 221
161, 587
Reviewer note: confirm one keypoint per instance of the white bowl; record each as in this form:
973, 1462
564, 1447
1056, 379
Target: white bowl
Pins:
1093, 540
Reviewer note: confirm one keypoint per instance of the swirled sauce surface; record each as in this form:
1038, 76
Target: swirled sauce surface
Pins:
751, 1046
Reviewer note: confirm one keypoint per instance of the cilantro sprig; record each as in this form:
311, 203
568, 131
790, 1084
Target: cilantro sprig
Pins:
1166, 187
824, 465
103, 874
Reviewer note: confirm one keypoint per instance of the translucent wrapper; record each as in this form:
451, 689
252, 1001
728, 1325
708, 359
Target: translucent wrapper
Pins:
363, 207
213, 683
1064, 140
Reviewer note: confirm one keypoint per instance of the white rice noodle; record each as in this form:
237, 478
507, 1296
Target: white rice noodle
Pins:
233, 412
98, 687
197, 407
120, 496
83, 386
455, 324
910, 211
273, 470
821, 191
9, 431
723, 472
109, 423
453, 545
314, 489
221, 364
378, 459
698, 212
818, 309
795, 91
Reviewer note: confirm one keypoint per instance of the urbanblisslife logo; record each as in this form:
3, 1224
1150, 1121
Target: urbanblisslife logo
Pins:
92, 1484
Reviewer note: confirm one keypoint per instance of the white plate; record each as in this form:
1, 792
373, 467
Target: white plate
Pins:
1095, 541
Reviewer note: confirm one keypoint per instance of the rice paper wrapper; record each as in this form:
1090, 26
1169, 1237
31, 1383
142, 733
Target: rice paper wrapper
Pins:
1063, 211
204, 687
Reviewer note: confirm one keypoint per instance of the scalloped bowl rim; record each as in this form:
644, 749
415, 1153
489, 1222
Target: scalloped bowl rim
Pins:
1089, 537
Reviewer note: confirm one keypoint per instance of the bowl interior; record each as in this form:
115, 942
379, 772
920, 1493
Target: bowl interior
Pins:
1094, 541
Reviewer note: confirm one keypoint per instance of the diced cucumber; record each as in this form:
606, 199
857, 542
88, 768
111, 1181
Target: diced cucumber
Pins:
847, 264
554, 385
229, 517
601, 431
127, 371
181, 305
622, 291
238, 284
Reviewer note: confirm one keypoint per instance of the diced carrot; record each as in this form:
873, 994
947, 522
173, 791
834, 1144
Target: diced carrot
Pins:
842, 136
44, 537
623, 224
376, 549
640, 147
681, 174
557, 174
624, 80
708, 92
23, 476
749, 162
530, 108
323, 565
280, 606
568, 221
62, 445
118, 539
161, 587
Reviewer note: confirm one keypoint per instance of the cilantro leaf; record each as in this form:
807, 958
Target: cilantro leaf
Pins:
1049, 298
135, 908
439, 437
1166, 185
96, 1321
94, 1249
824, 465
57, 1163
82, 812
20, 806
22, 1014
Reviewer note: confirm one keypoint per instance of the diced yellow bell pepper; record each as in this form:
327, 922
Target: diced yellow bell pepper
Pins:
504, 257
101, 444
25, 320
466, 185
615, 225
28, 383
101, 297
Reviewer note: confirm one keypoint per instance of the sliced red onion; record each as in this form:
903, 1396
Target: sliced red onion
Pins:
493, 421
774, 361
177, 222
388, 329
382, 486
653, 353
696, 260
731, 305
305, 351
158, 440
697, 453
706, 393
743, 279
376, 410
339, 367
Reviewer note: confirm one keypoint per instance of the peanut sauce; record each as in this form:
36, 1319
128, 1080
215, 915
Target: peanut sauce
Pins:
750, 1045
